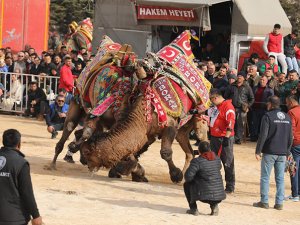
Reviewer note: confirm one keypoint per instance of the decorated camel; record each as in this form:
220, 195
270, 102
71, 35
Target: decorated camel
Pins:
170, 87
79, 36
102, 88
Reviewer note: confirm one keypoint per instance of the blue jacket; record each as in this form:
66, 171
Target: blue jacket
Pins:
53, 110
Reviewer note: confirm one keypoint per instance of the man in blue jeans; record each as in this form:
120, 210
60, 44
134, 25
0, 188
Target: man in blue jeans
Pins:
274, 143
294, 113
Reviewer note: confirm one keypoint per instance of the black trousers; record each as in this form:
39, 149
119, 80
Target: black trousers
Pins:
193, 205
39, 109
227, 159
240, 117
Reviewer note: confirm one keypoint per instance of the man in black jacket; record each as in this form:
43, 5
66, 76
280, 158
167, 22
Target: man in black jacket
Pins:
275, 141
18, 204
203, 181
37, 104
242, 99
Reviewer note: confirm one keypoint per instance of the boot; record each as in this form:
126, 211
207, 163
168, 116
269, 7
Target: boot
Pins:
194, 212
214, 210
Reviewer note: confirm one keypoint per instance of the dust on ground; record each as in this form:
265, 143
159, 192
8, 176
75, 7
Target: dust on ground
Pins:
72, 196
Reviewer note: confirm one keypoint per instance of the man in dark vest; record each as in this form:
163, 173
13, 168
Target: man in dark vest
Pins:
274, 143
18, 204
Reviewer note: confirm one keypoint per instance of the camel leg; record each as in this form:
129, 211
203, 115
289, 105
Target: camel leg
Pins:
72, 119
182, 138
168, 136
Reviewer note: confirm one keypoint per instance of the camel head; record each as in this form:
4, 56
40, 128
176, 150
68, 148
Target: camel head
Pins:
93, 162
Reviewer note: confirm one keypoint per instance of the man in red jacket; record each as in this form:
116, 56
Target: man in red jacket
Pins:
294, 113
273, 45
222, 120
66, 80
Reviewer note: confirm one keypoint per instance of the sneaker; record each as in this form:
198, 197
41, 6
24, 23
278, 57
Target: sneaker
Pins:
278, 206
54, 134
294, 199
261, 205
194, 212
214, 210
69, 159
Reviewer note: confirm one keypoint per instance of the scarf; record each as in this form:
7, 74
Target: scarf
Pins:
208, 155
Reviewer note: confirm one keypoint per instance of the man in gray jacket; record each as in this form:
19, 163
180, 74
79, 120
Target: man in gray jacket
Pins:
274, 143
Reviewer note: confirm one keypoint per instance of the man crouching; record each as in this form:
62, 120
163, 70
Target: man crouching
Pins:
203, 181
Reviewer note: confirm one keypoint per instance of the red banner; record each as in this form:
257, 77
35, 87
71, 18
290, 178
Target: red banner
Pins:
165, 13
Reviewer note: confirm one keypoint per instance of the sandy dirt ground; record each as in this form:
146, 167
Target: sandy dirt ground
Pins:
71, 196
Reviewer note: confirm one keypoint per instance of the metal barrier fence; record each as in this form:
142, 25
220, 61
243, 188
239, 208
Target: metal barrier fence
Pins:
16, 86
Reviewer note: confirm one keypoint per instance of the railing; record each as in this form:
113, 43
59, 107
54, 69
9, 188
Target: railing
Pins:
16, 86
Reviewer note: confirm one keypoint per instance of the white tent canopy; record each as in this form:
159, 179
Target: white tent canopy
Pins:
257, 17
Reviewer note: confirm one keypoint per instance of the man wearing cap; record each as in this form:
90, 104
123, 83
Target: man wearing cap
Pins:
289, 51
273, 45
253, 60
242, 98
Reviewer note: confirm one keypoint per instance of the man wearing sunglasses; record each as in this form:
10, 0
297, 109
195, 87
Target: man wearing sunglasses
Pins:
56, 116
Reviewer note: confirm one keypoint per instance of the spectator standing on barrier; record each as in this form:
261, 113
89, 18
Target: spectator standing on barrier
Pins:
66, 80
20, 63
273, 45
56, 115
203, 181
18, 203
242, 99
274, 143
261, 93
289, 50
222, 134
68, 96
294, 113
36, 105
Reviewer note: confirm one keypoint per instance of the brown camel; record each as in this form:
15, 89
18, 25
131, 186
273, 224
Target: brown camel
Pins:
132, 133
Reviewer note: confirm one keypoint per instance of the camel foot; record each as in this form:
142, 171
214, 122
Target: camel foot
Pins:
138, 178
52, 166
176, 175
113, 174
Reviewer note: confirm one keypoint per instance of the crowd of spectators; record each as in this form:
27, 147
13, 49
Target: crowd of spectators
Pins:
26, 78
257, 80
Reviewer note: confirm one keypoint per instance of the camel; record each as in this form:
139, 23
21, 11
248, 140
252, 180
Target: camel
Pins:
157, 111
103, 68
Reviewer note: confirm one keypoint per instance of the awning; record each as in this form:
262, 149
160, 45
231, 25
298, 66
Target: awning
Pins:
180, 2
174, 12
257, 17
